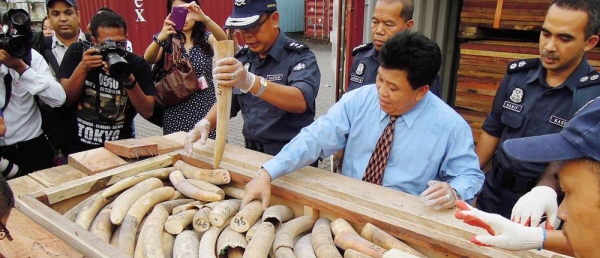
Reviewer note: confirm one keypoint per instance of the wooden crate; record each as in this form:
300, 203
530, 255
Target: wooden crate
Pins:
309, 191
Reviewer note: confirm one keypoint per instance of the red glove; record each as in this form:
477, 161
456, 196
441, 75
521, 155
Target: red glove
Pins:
503, 232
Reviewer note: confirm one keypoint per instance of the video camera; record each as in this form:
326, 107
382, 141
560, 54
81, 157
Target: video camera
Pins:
115, 57
16, 33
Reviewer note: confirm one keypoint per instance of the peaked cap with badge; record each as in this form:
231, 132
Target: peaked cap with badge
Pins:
246, 13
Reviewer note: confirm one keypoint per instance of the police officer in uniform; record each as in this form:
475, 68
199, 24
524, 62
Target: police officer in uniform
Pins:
276, 80
537, 97
389, 18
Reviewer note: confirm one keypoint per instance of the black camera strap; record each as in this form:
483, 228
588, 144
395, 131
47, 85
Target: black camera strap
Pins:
8, 85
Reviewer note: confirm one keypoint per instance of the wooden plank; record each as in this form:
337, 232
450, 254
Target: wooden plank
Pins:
54, 176
29, 238
94, 161
101, 180
132, 148
71, 233
164, 145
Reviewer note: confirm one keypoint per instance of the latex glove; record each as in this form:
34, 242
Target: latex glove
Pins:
439, 195
258, 188
530, 207
200, 131
230, 72
503, 232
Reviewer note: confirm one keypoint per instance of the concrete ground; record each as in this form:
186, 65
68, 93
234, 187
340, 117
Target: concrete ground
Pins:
321, 50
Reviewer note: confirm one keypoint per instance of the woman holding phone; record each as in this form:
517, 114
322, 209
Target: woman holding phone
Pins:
198, 33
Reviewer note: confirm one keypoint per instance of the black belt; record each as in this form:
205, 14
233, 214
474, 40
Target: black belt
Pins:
23, 144
268, 148
514, 182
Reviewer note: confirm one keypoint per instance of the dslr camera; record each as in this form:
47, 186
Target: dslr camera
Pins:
16, 33
115, 57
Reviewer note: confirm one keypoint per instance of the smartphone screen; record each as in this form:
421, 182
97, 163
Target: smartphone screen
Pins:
178, 15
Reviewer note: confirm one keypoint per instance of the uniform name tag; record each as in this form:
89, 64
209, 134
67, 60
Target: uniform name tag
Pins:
512, 106
357, 79
558, 121
275, 77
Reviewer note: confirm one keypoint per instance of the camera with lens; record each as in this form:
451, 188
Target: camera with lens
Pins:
115, 57
16, 33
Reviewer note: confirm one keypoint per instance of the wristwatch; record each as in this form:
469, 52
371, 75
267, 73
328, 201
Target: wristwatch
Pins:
129, 85
263, 86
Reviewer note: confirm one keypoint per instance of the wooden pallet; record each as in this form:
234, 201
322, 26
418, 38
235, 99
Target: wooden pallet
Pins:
482, 66
309, 191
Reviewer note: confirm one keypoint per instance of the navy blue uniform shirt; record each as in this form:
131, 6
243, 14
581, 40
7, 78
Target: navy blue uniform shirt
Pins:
365, 65
526, 106
288, 63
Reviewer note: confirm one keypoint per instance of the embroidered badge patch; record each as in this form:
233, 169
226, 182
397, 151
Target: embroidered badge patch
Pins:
300, 66
517, 95
360, 69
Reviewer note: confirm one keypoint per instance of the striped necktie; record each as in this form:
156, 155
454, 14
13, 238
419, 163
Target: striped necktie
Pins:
374, 172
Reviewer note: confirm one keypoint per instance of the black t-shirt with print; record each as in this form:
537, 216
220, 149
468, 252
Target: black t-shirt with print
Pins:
104, 111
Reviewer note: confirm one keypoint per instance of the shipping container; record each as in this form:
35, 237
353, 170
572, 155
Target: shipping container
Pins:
292, 16
146, 17
319, 18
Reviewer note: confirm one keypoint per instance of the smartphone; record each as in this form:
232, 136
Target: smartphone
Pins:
178, 15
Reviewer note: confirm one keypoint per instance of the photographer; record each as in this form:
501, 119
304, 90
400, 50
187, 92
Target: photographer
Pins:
103, 97
24, 148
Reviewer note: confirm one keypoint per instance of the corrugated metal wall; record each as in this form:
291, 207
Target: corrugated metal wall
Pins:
319, 18
438, 20
292, 12
145, 17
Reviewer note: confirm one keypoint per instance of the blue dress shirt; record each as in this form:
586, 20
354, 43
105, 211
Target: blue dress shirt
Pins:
431, 142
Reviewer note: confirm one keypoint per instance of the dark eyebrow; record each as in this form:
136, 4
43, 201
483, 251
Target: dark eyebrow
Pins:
564, 35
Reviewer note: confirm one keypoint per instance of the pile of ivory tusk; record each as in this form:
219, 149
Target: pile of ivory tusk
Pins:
182, 211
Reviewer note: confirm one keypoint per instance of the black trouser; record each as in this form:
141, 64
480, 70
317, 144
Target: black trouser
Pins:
501, 191
30, 156
271, 149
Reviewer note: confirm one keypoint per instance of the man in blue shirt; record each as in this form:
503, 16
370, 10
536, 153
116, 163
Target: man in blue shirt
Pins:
432, 153
389, 18
537, 97
276, 80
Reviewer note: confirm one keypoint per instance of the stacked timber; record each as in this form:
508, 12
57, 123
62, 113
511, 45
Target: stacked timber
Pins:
482, 66
501, 14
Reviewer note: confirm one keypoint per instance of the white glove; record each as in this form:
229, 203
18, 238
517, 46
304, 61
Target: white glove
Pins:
200, 131
504, 233
530, 207
231, 73
439, 195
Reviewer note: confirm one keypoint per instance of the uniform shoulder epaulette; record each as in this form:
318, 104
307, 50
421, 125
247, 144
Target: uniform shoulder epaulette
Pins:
362, 47
242, 51
295, 46
522, 65
593, 78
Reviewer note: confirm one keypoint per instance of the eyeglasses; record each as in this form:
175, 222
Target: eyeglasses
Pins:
254, 29
4, 232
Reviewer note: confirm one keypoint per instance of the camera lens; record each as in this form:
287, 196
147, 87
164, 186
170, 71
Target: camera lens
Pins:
117, 66
19, 18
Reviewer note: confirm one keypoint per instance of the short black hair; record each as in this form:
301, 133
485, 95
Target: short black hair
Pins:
107, 20
414, 54
591, 7
7, 199
104, 9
